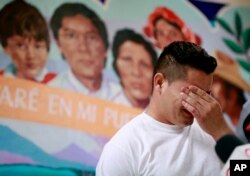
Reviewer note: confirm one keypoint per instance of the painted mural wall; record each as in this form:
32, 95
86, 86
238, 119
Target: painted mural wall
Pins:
73, 72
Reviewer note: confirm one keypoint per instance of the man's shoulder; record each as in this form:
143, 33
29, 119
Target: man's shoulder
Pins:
129, 131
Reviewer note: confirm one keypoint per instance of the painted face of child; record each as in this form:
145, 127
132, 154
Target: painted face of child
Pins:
28, 55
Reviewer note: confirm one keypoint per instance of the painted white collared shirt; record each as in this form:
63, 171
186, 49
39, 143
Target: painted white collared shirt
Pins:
43, 77
67, 80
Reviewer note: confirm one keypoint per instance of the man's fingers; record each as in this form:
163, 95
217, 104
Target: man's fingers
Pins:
191, 104
191, 109
201, 93
193, 99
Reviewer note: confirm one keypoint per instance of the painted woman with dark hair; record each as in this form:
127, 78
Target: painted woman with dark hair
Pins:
134, 59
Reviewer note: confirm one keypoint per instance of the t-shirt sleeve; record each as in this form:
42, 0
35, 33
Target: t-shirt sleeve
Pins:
115, 161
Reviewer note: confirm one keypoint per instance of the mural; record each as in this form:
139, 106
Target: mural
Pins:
73, 72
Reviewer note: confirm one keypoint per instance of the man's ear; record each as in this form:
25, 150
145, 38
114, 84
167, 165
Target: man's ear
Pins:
158, 81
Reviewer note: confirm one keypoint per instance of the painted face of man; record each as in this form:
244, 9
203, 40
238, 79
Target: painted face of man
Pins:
82, 46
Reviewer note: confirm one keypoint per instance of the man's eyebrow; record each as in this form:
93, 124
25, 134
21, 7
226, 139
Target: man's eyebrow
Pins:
67, 29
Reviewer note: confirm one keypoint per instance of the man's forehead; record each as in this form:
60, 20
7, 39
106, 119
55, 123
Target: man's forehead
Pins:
200, 79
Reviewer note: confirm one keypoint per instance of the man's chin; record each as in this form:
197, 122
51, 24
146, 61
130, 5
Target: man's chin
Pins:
188, 121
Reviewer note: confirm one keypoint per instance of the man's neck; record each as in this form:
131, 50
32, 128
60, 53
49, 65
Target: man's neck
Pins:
93, 84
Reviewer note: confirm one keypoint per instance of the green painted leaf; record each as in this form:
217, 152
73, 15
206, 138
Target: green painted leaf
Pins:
225, 25
238, 25
244, 64
233, 46
246, 39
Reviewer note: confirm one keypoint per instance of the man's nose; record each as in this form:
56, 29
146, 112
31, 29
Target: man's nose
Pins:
135, 69
82, 42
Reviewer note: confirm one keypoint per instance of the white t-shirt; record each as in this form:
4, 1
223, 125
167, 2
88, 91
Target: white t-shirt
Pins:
67, 80
146, 147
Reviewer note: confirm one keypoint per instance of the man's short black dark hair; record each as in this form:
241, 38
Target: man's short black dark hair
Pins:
178, 56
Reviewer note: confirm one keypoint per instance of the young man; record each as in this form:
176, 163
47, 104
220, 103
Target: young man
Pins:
82, 39
166, 139
24, 36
